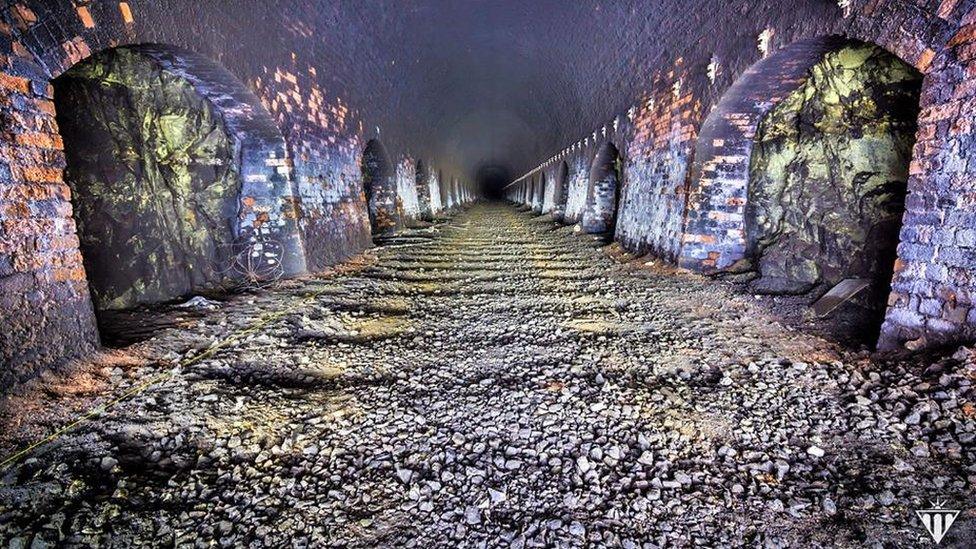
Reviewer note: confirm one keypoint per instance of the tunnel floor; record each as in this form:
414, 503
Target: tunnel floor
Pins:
491, 381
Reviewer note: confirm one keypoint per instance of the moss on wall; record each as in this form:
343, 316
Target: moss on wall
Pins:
829, 173
153, 178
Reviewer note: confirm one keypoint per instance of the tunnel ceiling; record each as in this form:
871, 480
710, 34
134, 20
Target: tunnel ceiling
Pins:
472, 82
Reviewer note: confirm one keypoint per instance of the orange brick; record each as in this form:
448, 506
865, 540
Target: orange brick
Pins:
25, 17
37, 174
126, 12
965, 35
75, 272
85, 15
40, 140
925, 60
15, 83
46, 106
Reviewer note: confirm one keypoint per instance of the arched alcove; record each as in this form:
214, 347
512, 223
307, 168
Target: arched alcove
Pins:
828, 177
424, 191
380, 187
173, 169
603, 191
714, 235
538, 192
801, 174
559, 193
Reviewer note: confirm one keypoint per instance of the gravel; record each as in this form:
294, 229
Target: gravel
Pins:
493, 381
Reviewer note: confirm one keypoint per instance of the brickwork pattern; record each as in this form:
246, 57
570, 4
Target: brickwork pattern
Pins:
600, 212
47, 312
654, 194
933, 294
931, 299
406, 184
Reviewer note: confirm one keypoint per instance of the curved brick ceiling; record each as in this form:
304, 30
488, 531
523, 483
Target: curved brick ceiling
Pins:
469, 83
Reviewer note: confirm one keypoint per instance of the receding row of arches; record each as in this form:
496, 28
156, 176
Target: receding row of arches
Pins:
384, 200
180, 182
799, 177
599, 192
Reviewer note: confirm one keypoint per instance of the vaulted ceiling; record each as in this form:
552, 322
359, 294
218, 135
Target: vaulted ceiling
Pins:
501, 84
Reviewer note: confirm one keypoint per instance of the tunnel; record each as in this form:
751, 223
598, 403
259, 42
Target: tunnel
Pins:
487, 274
491, 180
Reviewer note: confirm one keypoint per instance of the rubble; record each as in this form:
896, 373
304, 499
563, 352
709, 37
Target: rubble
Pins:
487, 419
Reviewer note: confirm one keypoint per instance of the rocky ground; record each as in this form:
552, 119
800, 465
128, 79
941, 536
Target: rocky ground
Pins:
493, 381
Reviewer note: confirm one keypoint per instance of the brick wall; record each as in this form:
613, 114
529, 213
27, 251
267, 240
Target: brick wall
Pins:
684, 196
301, 182
406, 182
933, 295
47, 312
655, 168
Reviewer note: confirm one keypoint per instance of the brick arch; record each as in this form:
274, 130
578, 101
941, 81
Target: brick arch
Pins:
560, 181
268, 204
714, 233
538, 191
577, 186
603, 190
380, 187
266, 233
259, 236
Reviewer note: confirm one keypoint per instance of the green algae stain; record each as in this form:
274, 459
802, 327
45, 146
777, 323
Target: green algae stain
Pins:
154, 185
829, 171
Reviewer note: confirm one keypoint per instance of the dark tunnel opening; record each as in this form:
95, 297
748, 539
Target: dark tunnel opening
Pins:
491, 180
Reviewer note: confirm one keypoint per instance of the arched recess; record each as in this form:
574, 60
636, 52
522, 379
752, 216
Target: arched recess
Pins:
380, 186
445, 189
434, 188
714, 235
179, 177
539, 192
424, 191
603, 191
559, 193
808, 188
